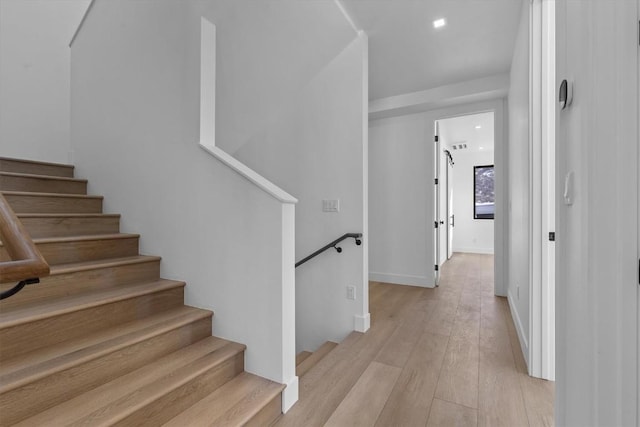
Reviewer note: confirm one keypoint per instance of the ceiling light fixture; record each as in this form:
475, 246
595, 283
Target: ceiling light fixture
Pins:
478, 127
482, 148
439, 23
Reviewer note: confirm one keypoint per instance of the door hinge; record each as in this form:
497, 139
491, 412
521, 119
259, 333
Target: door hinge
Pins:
436, 181
436, 267
552, 236
436, 138
435, 223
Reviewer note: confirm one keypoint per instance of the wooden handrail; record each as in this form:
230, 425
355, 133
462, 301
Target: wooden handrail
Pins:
26, 260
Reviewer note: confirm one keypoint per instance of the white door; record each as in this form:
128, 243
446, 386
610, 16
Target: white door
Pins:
597, 198
451, 219
437, 209
442, 211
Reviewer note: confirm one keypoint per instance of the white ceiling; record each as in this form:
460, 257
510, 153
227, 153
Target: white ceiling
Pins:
462, 130
406, 54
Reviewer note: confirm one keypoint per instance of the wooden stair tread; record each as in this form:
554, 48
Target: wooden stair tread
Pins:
36, 162
68, 268
104, 263
315, 357
60, 269
36, 167
40, 225
300, 357
233, 404
83, 248
113, 400
46, 177
43, 362
42, 310
83, 238
60, 195
67, 215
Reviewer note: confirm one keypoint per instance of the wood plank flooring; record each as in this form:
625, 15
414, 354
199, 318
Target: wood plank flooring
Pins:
448, 356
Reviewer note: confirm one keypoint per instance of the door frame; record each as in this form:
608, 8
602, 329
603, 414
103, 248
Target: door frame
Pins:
501, 155
436, 214
449, 224
542, 110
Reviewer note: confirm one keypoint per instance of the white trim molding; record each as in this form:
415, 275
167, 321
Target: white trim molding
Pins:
290, 394
401, 279
467, 92
283, 344
362, 323
84, 17
208, 117
541, 358
524, 344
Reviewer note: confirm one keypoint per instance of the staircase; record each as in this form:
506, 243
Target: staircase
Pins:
306, 360
103, 340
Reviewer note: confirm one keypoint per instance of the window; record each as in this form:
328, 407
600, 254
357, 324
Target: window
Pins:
483, 192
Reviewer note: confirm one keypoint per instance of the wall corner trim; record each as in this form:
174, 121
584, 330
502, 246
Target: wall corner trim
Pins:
290, 394
362, 323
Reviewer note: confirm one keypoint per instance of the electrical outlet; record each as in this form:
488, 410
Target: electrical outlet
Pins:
351, 292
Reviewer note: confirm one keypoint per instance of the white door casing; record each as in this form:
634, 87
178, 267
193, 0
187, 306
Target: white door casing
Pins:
436, 215
450, 213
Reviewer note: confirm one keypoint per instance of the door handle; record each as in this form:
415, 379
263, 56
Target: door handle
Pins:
441, 222
453, 220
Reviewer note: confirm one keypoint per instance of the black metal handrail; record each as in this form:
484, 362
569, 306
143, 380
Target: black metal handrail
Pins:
356, 236
17, 288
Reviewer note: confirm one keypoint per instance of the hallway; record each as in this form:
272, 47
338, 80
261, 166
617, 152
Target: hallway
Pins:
437, 357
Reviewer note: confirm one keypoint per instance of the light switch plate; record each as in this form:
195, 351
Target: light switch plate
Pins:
331, 205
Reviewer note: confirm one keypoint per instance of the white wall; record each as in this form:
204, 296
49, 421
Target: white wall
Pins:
305, 152
35, 77
401, 193
401, 200
597, 250
292, 106
135, 131
518, 282
469, 234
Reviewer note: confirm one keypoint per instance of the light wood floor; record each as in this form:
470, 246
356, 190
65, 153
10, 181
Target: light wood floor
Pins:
433, 357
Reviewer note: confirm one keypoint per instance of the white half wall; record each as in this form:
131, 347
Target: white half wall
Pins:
290, 102
291, 105
35, 77
469, 234
305, 152
401, 194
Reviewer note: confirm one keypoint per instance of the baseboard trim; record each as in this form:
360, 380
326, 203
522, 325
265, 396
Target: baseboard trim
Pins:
290, 394
401, 279
486, 251
524, 343
362, 323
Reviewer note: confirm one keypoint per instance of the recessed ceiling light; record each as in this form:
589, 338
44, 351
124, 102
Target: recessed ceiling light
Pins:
478, 127
482, 148
439, 23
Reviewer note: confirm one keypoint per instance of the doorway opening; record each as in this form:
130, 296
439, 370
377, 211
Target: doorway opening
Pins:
464, 186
